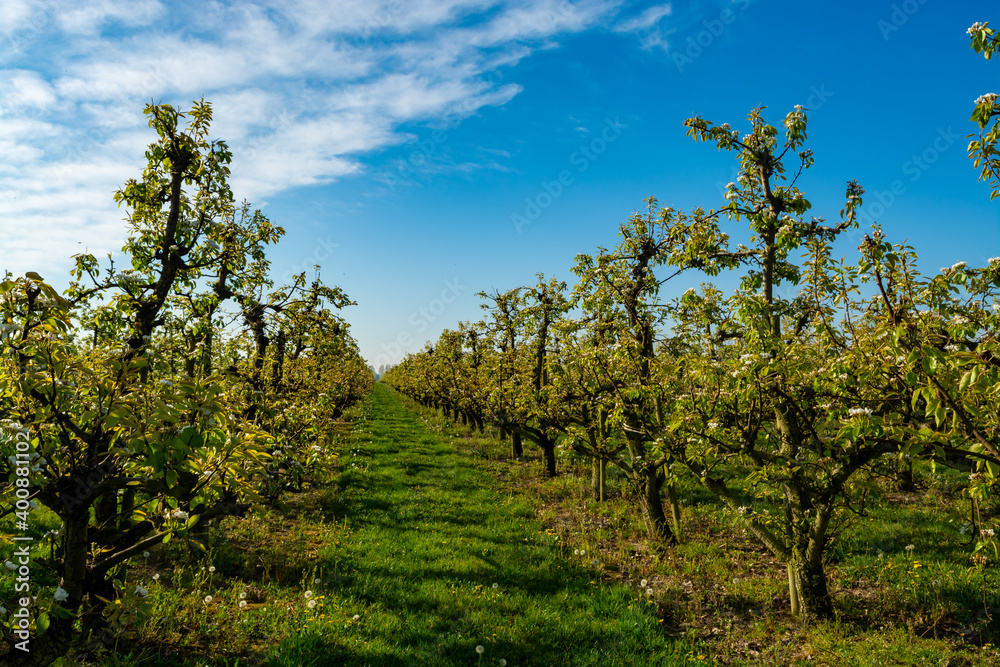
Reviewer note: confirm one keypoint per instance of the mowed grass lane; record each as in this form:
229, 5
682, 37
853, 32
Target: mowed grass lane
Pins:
437, 562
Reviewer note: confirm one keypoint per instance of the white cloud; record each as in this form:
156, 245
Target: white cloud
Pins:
301, 90
644, 21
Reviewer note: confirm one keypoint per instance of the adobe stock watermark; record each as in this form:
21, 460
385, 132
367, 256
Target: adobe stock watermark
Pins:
694, 46
380, 20
898, 17
817, 97
97, 137
581, 158
419, 320
21, 38
405, 170
322, 251
914, 169
247, 152
20, 562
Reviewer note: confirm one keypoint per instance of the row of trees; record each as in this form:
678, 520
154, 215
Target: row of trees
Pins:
162, 391
783, 398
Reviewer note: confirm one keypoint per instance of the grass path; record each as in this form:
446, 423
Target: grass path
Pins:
438, 561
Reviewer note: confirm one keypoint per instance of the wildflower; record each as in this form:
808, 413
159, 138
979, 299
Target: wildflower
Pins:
211, 568
480, 649
736, 580
988, 97
312, 604
141, 592
243, 595
308, 594
243, 603
649, 591
208, 599
988, 532
496, 585
61, 594
910, 547
642, 584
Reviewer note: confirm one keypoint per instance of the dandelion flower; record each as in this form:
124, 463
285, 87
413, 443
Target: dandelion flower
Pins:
480, 649
243, 603
208, 599
243, 595
316, 580
910, 547
211, 568
312, 604
503, 663
642, 584
308, 594
496, 585
156, 576
61, 594
357, 616
649, 591
145, 554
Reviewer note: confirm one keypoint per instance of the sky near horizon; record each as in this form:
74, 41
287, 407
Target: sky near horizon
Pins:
423, 151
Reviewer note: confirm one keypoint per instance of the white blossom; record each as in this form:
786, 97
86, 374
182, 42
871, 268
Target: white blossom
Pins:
991, 98
856, 412
61, 595
974, 28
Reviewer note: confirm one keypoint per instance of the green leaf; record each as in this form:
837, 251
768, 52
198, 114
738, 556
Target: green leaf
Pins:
42, 623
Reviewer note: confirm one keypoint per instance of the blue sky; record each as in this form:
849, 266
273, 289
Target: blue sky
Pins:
404, 145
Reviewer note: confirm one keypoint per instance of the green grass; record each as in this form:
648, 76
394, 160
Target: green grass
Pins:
417, 556
931, 604
424, 517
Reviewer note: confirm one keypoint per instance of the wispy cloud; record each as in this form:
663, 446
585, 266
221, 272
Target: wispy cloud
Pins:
647, 26
303, 91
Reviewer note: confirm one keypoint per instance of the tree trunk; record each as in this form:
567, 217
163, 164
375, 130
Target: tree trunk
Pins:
549, 454
516, 449
675, 510
652, 507
598, 479
904, 476
813, 595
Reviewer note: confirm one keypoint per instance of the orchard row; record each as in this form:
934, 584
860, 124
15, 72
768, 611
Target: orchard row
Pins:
160, 393
783, 398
